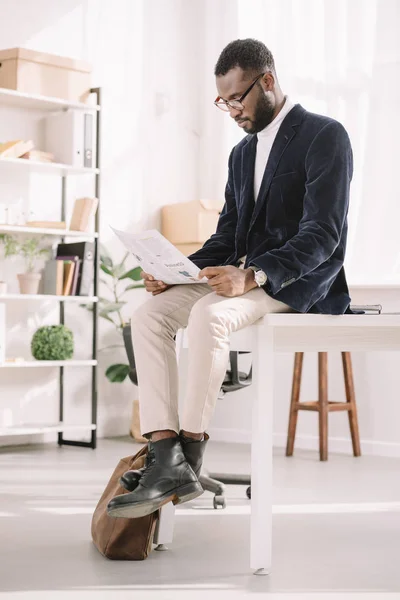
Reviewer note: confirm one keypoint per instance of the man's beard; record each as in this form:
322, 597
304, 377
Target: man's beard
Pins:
263, 115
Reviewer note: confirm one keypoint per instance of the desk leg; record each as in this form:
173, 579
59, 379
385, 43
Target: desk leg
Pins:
261, 451
164, 532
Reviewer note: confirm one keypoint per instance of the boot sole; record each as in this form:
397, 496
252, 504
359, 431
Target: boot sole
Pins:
125, 484
133, 511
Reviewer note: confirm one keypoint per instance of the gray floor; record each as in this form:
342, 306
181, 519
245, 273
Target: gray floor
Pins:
336, 530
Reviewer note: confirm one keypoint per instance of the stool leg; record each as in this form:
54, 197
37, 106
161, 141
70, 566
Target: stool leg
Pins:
351, 399
297, 370
323, 404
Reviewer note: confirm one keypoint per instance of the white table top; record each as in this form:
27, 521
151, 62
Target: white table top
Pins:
311, 320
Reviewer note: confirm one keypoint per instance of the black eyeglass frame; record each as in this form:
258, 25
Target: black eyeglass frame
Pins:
226, 105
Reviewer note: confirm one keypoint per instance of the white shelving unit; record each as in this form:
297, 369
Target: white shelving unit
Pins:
44, 167
42, 297
45, 364
31, 429
15, 99
32, 102
47, 231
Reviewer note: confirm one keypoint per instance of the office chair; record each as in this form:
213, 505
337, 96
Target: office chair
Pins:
234, 380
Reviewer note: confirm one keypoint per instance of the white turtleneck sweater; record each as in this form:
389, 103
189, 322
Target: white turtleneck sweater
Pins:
266, 138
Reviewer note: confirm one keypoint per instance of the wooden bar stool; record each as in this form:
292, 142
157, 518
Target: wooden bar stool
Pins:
323, 406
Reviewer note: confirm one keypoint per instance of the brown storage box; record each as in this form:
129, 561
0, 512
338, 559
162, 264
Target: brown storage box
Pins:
188, 249
44, 74
190, 222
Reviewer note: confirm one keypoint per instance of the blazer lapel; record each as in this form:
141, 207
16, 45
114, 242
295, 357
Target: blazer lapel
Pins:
245, 205
247, 178
286, 133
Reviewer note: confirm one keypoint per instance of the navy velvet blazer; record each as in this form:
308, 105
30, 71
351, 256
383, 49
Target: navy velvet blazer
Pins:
296, 231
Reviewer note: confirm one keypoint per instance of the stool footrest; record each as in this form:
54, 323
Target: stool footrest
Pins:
315, 406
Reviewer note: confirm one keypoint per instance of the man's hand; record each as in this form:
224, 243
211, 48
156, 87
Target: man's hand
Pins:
153, 286
229, 281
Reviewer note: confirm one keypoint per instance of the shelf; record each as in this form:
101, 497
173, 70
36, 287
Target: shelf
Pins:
47, 231
16, 99
73, 299
45, 167
48, 363
28, 429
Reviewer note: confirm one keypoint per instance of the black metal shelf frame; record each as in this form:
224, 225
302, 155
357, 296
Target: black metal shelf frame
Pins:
93, 441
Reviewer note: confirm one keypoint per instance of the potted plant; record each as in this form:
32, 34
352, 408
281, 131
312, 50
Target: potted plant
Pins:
118, 281
31, 250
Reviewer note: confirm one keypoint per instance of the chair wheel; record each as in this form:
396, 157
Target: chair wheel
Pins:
248, 492
219, 501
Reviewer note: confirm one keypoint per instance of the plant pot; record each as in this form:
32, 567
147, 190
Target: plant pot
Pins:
29, 282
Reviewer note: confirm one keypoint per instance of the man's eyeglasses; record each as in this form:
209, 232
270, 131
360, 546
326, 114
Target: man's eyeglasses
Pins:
236, 104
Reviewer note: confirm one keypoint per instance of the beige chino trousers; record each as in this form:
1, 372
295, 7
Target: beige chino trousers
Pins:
210, 320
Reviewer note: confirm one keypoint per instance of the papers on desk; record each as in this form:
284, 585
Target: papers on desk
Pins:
158, 257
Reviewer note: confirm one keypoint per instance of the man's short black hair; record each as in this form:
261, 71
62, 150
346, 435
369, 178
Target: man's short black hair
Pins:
250, 55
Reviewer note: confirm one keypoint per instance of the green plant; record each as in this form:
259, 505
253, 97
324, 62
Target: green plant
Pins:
31, 249
52, 342
10, 244
116, 280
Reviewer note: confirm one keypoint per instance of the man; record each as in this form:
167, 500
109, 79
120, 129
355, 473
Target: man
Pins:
279, 246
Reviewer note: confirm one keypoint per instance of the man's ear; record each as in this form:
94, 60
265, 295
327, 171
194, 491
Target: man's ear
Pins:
268, 81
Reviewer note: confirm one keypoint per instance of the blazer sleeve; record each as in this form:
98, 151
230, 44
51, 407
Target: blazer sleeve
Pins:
329, 169
221, 245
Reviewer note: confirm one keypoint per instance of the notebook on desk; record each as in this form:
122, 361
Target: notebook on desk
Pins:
366, 309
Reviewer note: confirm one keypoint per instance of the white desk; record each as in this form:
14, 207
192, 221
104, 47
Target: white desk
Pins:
287, 333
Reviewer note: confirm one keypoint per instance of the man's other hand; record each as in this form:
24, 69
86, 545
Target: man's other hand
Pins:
152, 285
229, 281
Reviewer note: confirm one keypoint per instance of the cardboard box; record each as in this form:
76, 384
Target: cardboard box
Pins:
190, 222
44, 74
188, 249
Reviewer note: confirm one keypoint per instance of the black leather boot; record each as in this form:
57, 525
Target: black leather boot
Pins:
168, 478
192, 450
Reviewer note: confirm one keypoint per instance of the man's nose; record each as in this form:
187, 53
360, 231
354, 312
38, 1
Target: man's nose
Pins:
234, 112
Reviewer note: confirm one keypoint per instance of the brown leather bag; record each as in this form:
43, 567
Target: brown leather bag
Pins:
118, 538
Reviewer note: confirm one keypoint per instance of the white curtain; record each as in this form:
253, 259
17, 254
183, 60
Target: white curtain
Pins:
340, 58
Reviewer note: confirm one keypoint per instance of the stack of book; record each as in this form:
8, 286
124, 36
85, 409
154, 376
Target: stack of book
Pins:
71, 271
39, 156
24, 149
16, 148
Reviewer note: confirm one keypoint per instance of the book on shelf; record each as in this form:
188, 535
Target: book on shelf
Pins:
15, 149
78, 266
70, 262
53, 277
46, 224
69, 267
60, 276
83, 213
39, 156
84, 252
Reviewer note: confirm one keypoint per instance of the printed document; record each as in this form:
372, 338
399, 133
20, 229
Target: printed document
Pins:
158, 257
